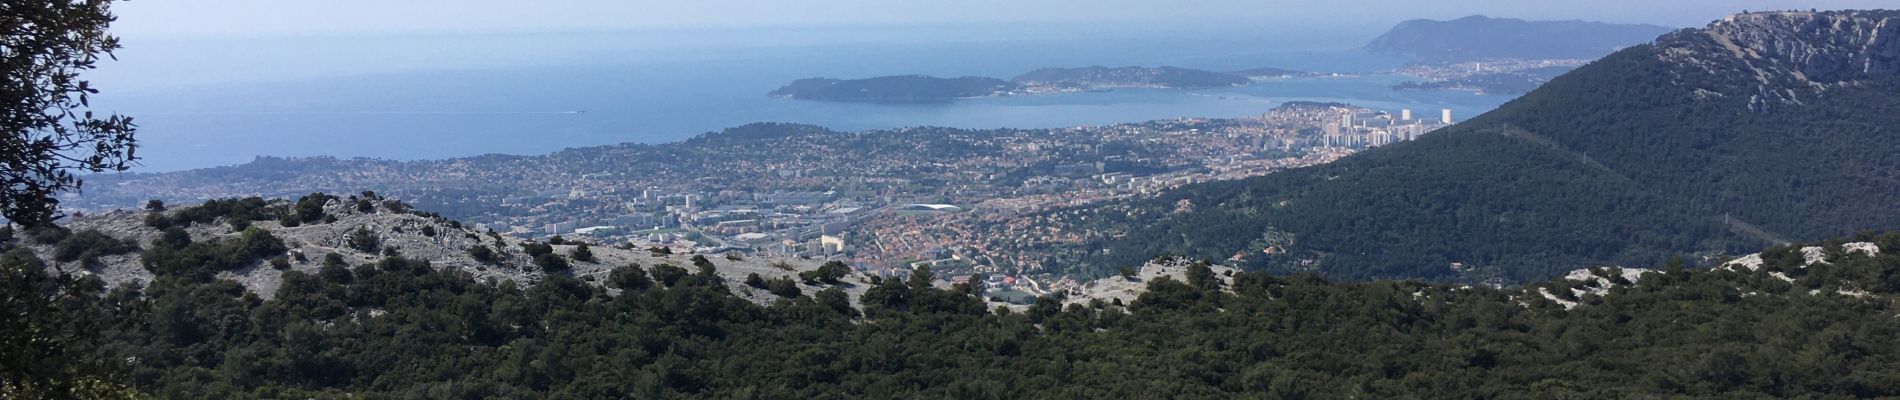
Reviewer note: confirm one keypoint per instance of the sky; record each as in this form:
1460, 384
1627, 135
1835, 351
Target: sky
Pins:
225, 18
178, 43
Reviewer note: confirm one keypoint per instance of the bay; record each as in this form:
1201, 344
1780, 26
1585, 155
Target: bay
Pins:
381, 100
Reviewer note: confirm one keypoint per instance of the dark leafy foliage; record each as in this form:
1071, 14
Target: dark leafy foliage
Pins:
308, 209
50, 337
47, 130
550, 262
629, 277
88, 245
237, 212
401, 328
536, 249
783, 287
668, 275
581, 253
174, 253
482, 254
829, 273
363, 240
754, 280
48, 234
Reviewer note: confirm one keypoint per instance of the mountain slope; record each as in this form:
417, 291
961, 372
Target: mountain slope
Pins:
1478, 37
1758, 129
391, 227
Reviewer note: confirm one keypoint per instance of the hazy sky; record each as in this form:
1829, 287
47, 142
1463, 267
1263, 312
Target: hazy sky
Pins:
199, 18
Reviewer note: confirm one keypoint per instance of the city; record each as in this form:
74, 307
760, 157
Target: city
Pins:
356, 199
961, 201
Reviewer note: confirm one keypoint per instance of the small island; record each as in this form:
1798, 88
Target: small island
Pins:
1101, 78
930, 89
898, 88
1259, 74
1507, 82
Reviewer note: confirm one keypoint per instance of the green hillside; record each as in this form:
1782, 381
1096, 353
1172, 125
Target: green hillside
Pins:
1680, 147
404, 328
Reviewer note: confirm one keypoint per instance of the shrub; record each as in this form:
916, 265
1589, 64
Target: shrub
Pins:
395, 206
238, 212
175, 254
784, 287
754, 280
536, 249
668, 275
629, 277
48, 234
363, 240
89, 245
831, 273
582, 253
550, 262
482, 254
309, 208
334, 260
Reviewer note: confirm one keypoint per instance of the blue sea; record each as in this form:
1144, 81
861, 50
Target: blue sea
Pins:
203, 102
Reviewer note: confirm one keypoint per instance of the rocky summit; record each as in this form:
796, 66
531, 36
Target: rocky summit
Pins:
1792, 55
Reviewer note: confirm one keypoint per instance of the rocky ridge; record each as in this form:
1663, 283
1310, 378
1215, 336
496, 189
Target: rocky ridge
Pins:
407, 233
1792, 56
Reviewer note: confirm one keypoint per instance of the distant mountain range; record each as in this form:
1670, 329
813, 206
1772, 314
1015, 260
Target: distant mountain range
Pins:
1758, 129
1478, 37
1471, 38
921, 88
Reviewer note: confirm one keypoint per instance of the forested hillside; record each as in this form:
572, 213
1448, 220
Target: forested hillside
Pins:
1762, 129
1788, 323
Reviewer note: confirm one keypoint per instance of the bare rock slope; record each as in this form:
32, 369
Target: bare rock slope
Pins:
443, 243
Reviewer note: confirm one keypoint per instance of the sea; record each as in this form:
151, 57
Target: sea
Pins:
211, 101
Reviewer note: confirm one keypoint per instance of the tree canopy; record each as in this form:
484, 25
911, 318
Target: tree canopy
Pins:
402, 328
47, 131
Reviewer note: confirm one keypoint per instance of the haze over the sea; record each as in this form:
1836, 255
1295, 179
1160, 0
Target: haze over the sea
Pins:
288, 80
